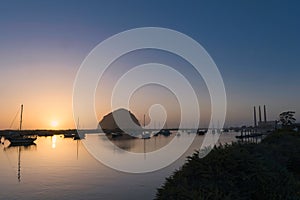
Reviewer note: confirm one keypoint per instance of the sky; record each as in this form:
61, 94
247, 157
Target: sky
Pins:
255, 45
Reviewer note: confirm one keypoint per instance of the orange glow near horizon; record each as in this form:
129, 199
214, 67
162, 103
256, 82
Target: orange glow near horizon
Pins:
44, 88
54, 124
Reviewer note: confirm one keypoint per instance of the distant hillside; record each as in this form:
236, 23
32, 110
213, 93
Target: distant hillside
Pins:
108, 123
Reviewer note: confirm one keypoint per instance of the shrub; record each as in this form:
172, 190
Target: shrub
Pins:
269, 170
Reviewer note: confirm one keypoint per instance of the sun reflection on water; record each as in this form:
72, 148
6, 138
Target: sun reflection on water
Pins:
54, 142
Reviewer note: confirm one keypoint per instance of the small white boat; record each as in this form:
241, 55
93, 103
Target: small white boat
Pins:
146, 135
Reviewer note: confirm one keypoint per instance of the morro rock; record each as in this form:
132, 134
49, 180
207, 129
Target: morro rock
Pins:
119, 121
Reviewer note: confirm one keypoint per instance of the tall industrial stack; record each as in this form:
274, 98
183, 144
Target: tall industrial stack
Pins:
263, 125
259, 115
265, 114
260, 123
254, 116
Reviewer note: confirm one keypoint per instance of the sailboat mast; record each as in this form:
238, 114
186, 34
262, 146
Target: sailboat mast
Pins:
21, 117
78, 123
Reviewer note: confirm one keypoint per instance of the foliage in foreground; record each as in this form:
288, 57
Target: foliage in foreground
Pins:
269, 170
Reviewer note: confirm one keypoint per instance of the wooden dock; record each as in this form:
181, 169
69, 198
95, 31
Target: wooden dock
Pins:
250, 135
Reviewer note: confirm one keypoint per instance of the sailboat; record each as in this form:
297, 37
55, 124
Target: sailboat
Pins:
17, 139
145, 134
76, 136
165, 131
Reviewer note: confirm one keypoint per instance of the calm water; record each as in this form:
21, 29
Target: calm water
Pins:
61, 168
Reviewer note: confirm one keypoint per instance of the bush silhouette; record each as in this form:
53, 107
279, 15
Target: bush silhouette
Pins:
268, 170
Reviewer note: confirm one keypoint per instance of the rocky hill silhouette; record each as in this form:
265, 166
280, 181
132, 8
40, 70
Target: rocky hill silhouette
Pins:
119, 121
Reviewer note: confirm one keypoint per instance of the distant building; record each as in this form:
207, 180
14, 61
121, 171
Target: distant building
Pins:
268, 125
263, 125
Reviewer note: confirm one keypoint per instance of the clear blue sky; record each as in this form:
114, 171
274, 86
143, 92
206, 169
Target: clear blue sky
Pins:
255, 44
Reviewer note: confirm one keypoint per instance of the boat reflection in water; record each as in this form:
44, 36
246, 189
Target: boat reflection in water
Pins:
19, 148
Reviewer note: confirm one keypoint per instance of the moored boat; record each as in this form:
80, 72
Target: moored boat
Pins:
201, 131
18, 139
21, 140
146, 135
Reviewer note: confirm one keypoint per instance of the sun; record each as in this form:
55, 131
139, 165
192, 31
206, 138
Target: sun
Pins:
54, 124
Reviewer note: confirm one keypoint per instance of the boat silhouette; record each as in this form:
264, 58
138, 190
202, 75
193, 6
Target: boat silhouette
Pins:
19, 139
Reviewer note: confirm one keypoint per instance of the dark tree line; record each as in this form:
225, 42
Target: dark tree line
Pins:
287, 118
